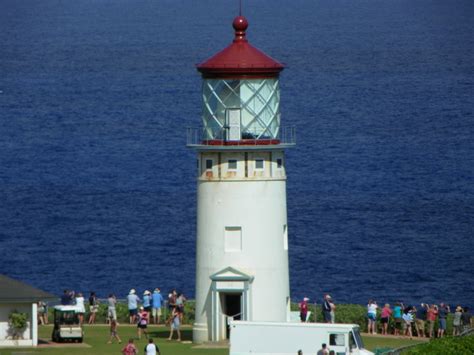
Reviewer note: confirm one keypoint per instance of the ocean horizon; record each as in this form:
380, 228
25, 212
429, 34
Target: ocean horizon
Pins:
98, 189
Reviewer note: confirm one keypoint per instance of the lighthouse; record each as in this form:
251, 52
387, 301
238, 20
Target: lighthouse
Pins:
242, 230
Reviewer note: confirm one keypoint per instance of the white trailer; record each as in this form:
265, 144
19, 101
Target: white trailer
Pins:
271, 338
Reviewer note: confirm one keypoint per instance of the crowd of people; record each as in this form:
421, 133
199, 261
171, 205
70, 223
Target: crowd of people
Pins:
142, 311
405, 320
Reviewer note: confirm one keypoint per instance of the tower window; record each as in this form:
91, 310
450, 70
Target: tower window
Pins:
233, 239
259, 164
279, 163
232, 164
208, 164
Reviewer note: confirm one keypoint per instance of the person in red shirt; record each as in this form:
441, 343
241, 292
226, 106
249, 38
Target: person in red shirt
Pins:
431, 317
385, 317
304, 309
130, 348
142, 323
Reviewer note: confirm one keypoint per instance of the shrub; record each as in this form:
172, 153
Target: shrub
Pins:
444, 346
18, 322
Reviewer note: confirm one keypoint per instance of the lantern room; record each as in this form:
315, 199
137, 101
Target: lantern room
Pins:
241, 95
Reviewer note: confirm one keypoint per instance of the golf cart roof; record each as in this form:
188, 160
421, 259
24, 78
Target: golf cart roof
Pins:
62, 308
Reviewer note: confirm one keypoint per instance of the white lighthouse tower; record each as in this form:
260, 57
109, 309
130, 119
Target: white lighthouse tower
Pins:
242, 234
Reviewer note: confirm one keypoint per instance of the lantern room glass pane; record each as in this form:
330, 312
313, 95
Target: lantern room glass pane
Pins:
257, 99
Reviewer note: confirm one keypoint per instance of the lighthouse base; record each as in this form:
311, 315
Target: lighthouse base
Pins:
200, 333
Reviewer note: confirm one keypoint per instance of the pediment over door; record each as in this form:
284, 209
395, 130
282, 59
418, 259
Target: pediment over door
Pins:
231, 274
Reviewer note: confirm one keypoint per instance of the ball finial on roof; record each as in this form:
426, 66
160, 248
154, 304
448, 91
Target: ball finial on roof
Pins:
240, 24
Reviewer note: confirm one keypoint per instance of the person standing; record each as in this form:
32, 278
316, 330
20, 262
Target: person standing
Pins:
180, 299
304, 309
408, 320
93, 307
326, 308
152, 348
175, 323
111, 304
130, 348
147, 303
142, 324
385, 318
67, 298
443, 312
372, 316
397, 316
157, 303
466, 319
324, 350
333, 310
113, 332
420, 320
132, 301
81, 308
457, 321
42, 313
431, 317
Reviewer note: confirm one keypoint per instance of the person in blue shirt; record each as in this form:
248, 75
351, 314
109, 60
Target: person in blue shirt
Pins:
157, 303
132, 300
147, 300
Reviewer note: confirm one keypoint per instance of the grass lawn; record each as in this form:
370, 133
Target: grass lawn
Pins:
97, 337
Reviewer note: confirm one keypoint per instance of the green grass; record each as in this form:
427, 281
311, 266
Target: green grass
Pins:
97, 337
445, 346
372, 343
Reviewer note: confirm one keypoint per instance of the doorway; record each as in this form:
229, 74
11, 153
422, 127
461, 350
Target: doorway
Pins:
231, 304
233, 124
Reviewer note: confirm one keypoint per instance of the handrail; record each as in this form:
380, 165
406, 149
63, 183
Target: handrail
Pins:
196, 136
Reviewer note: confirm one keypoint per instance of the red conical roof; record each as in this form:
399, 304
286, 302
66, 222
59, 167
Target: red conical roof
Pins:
240, 58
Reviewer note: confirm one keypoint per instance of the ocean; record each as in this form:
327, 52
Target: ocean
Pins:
98, 189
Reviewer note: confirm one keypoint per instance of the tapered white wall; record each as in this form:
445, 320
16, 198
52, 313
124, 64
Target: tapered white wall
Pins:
253, 200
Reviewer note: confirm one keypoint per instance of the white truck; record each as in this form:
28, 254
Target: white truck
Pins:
271, 338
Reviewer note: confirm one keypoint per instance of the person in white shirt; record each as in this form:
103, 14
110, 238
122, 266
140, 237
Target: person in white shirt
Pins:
81, 308
152, 348
372, 316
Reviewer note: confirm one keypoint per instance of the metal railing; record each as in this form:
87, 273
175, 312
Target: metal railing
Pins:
197, 136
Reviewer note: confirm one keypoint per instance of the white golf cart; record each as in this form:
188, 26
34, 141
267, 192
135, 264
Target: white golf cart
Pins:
66, 325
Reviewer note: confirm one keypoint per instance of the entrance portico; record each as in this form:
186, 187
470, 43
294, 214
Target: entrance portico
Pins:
230, 298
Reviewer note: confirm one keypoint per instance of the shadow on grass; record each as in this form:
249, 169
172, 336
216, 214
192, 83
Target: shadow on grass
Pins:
186, 334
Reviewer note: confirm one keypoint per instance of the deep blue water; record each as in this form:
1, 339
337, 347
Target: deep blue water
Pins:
97, 188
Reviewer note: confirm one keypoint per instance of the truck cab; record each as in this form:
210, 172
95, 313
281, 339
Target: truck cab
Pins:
286, 338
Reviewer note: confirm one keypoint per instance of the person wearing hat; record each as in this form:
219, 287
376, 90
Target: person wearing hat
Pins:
457, 321
147, 303
304, 309
327, 308
157, 301
132, 301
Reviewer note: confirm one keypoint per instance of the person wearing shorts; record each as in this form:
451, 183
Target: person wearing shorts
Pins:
431, 317
442, 315
175, 323
372, 316
142, 324
397, 316
111, 303
157, 303
385, 317
147, 301
132, 301
326, 308
420, 320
